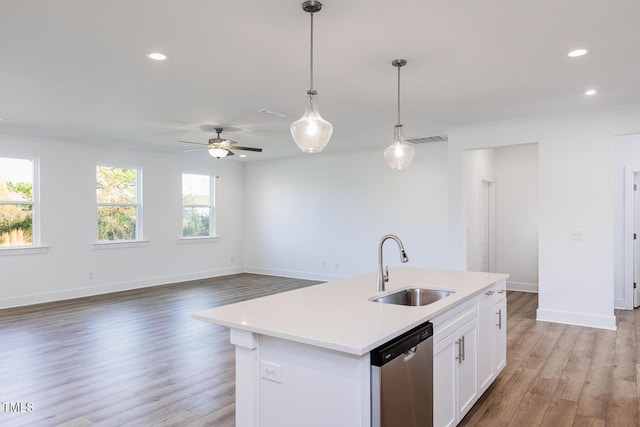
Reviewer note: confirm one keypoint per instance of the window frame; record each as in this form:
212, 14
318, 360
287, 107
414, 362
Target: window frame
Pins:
36, 243
212, 208
138, 205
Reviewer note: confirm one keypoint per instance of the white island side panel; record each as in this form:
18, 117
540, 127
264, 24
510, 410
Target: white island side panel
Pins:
319, 387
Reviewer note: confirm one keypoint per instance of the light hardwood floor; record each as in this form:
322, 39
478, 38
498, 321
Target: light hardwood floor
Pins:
137, 358
563, 375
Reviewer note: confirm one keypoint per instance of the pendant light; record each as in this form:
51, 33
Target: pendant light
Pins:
399, 154
311, 132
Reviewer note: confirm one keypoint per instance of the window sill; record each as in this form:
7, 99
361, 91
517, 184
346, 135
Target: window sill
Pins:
120, 244
191, 240
23, 250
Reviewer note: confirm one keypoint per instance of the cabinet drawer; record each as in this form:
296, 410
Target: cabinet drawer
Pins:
447, 323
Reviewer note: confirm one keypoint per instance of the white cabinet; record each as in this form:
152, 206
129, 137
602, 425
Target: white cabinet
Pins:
492, 334
467, 367
444, 383
500, 310
455, 364
469, 351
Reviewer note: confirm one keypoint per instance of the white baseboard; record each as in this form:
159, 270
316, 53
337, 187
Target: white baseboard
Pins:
621, 304
579, 319
293, 274
108, 288
522, 287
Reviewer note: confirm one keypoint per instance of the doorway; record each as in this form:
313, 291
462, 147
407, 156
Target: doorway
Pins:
501, 205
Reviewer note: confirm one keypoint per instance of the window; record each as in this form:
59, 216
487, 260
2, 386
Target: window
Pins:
17, 202
118, 197
197, 206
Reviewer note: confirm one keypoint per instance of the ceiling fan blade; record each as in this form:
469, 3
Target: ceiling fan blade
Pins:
194, 149
191, 142
258, 150
230, 153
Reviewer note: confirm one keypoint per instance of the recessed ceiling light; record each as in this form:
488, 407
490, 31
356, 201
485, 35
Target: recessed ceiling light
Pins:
157, 56
578, 52
590, 92
243, 155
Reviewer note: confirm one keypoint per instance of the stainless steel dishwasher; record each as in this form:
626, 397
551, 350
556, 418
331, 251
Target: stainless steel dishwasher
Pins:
402, 380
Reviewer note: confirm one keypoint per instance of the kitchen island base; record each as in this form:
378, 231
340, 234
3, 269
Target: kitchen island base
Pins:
303, 356
285, 383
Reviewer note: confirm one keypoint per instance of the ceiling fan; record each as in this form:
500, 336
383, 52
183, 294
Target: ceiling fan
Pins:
220, 147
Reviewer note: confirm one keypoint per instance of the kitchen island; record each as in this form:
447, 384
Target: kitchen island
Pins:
302, 357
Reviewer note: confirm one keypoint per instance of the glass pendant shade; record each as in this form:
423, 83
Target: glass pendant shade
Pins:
311, 132
399, 154
218, 152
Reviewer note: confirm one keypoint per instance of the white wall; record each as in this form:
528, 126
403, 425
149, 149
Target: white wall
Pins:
575, 193
626, 162
67, 173
516, 171
322, 216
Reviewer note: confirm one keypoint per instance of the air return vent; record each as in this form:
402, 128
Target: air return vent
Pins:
427, 139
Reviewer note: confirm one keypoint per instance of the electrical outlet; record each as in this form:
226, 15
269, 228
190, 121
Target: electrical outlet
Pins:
575, 235
271, 371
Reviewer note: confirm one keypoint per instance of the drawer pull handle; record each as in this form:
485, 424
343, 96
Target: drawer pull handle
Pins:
499, 313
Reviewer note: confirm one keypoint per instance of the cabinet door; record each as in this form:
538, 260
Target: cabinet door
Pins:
500, 314
486, 338
468, 367
444, 382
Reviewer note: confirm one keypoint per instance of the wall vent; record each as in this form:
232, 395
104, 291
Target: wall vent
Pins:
427, 139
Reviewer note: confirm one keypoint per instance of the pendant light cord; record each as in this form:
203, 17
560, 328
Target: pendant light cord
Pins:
398, 95
311, 54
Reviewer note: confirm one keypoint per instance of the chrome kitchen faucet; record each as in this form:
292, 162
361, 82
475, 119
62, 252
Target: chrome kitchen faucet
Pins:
383, 275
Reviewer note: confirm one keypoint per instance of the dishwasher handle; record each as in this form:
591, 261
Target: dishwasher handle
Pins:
408, 355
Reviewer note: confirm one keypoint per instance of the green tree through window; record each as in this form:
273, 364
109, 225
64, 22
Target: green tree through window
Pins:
16, 201
117, 197
197, 207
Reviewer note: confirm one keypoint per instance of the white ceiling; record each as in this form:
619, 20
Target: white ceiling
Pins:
75, 70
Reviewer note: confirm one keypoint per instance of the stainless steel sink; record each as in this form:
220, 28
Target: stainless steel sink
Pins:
415, 297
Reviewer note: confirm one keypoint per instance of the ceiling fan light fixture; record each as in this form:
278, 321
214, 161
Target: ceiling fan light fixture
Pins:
218, 153
399, 154
311, 132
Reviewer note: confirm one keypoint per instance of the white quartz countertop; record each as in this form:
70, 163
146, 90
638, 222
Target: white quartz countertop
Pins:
340, 316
